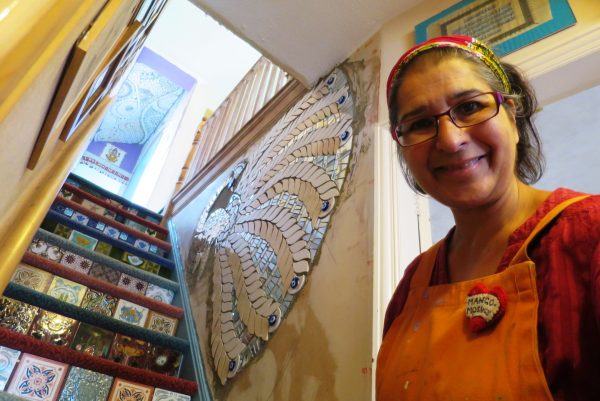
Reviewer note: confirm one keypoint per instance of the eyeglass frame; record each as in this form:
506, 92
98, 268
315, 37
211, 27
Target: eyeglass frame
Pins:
499, 98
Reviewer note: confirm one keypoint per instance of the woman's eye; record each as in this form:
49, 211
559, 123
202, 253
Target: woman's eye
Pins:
467, 108
423, 124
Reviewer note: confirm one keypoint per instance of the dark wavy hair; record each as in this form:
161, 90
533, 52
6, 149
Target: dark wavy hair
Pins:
530, 162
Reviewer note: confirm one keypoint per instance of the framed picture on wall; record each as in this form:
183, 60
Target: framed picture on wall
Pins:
91, 52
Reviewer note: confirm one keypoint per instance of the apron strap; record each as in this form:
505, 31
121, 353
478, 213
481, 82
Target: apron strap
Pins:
422, 276
521, 255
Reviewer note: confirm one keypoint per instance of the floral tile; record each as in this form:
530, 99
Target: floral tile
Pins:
92, 340
112, 232
63, 231
98, 225
53, 328
161, 323
37, 378
133, 284
80, 218
131, 313
132, 259
99, 302
123, 390
160, 294
83, 240
16, 315
93, 207
31, 277
103, 248
76, 262
166, 395
8, 360
129, 351
45, 250
66, 290
164, 361
105, 273
85, 385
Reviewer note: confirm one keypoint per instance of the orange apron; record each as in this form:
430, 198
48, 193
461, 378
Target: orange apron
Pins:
429, 353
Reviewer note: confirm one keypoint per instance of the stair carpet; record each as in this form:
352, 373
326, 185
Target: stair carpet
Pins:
87, 314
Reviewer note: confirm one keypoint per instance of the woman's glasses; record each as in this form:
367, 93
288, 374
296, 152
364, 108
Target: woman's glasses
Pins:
472, 111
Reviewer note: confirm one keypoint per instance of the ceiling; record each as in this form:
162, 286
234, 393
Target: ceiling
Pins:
307, 38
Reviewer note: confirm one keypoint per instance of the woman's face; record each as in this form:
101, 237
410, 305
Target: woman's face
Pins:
462, 168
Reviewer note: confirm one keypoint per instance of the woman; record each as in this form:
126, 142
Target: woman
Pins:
507, 306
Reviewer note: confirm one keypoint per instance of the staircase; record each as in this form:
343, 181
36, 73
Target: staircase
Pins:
93, 311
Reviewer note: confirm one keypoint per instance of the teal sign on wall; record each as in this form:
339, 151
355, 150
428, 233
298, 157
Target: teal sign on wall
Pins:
506, 25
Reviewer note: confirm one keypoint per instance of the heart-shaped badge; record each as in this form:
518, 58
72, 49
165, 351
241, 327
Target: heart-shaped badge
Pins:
485, 307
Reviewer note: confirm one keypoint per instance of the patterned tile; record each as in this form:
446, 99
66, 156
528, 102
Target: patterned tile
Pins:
131, 313
80, 218
45, 250
66, 290
150, 267
165, 395
16, 315
53, 328
159, 293
164, 361
161, 323
92, 340
103, 248
31, 277
141, 244
85, 385
133, 284
8, 360
93, 207
65, 193
129, 351
37, 378
123, 390
83, 240
111, 232
63, 231
99, 302
76, 262
132, 259
105, 273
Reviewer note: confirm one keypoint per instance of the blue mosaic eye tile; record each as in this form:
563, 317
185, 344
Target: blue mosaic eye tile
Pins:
100, 226
153, 248
123, 236
37, 378
111, 232
83, 384
141, 244
80, 218
68, 211
165, 395
8, 360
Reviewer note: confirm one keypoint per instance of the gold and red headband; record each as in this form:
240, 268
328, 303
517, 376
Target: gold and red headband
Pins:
466, 43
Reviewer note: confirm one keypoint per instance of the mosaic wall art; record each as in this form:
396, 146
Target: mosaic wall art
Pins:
159, 293
99, 302
53, 328
16, 315
161, 323
262, 232
67, 290
131, 313
37, 378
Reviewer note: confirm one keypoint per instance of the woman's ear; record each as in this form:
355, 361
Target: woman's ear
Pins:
512, 109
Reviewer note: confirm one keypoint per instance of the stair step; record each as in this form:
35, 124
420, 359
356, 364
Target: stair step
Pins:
66, 221
105, 260
67, 203
102, 286
32, 345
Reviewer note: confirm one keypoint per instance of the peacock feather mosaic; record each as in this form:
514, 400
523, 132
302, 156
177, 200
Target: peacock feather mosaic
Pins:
262, 231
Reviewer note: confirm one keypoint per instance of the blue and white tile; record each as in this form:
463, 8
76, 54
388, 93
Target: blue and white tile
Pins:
166, 395
8, 360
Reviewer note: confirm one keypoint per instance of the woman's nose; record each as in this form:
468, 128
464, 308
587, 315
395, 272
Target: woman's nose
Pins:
450, 138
